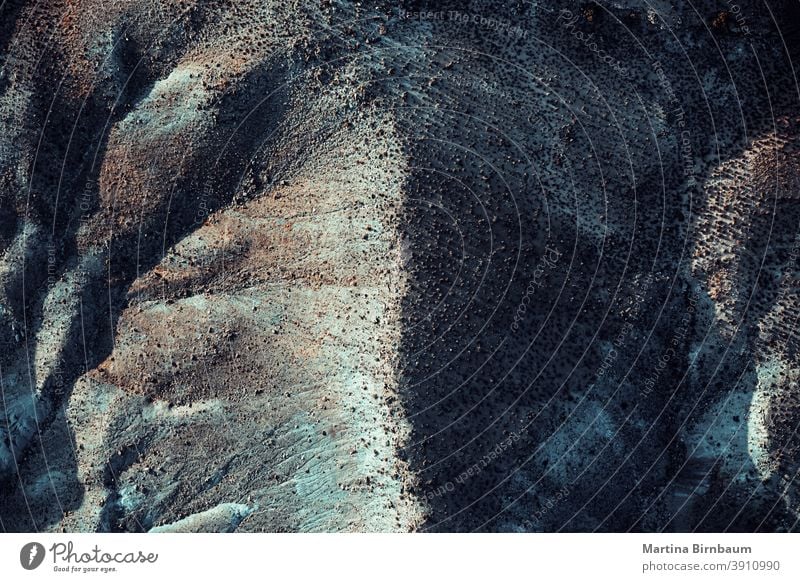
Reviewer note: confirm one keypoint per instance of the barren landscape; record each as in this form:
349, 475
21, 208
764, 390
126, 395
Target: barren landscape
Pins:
417, 266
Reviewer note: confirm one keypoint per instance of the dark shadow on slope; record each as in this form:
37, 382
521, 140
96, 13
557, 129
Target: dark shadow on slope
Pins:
508, 405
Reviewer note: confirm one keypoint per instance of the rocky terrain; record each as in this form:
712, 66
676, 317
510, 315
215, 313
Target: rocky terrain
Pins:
417, 266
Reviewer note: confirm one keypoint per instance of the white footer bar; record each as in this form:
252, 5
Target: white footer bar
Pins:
371, 557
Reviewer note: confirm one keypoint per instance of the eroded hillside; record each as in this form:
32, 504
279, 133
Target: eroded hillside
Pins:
436, 266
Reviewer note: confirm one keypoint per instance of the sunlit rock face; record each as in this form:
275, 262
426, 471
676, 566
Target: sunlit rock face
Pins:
435, 266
